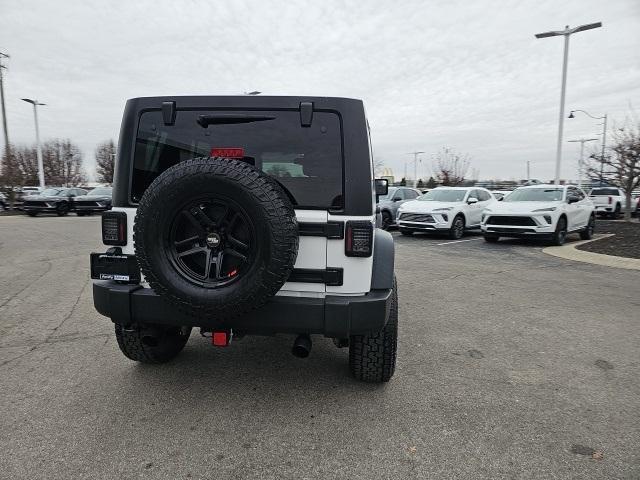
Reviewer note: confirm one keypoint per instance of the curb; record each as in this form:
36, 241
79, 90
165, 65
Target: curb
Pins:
569, 252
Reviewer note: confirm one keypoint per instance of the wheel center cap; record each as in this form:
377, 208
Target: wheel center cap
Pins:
213, 240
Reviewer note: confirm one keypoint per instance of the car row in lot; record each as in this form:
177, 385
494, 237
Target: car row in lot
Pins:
445, 209
544, 211
61, 201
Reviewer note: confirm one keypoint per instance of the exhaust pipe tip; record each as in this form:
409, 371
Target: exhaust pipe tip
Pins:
301, 346
150, 337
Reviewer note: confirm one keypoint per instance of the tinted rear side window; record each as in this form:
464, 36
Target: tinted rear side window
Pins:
604, 191
307, 161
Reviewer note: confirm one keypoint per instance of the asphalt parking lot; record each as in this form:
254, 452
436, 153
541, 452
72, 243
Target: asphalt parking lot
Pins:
512, 364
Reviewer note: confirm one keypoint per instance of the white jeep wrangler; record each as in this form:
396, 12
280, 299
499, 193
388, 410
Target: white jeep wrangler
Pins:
247, 215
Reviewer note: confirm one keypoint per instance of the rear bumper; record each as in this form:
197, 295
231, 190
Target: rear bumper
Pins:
332, 316
605, 209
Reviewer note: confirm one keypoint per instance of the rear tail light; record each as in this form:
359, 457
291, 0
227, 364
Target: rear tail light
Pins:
610, 200
358, 239
114, 228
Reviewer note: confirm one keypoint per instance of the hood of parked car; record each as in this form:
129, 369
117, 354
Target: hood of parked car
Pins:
421, 206
385, 203
95, 198
520, 207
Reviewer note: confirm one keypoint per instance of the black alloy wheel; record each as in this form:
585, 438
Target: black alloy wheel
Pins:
386, 220
587, 233
62, 209
560, 235
457, 228
212, 242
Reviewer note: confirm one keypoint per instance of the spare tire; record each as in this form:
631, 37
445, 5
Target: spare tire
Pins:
215, 236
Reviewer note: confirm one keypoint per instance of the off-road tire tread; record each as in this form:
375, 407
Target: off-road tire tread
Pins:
372, 358
132, 347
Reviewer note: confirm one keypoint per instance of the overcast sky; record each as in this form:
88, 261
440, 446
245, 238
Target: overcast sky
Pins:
467, 75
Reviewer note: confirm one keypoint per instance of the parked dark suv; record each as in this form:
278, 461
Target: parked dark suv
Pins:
247, 215
96, 200
52, 200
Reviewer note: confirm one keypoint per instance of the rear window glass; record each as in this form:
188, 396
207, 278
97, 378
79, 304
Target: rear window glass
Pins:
604, 191
307, 161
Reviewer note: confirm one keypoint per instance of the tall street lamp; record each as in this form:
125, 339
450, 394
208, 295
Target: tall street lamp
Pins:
604, 136
35, 104
580, 163
567, 32
415, 168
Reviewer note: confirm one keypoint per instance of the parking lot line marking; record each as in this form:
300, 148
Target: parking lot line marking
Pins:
458, 241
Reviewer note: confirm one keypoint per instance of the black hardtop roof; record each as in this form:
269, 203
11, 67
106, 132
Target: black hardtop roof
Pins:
358, 182
247, 101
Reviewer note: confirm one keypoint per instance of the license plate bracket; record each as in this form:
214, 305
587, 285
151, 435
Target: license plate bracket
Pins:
118, 267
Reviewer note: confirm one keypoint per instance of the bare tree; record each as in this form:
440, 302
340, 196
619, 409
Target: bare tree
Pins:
62, 163
378, 166
20, 169
105, 161
450, 167
622, 166
26, 163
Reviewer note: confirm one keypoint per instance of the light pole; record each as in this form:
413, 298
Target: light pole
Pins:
415, 168
528, 172
35, 104
567, 32
604, 137
4, 113
582, 142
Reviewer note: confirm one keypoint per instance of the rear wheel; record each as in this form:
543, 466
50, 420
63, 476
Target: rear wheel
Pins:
491, 238
587, 233
151, 343
372, 358
560, 235
457, 228
80, 214
32, 214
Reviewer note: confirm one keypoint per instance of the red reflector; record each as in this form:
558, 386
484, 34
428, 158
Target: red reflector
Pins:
233, 272
227, 152
219, 339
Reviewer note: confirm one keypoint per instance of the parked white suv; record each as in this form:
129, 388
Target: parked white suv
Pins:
445, 209
550, 211
610, 200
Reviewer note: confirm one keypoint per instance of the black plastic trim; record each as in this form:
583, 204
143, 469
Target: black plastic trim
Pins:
333, 316
330, 276
306, 113
169, 113
333, 230
383, 260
